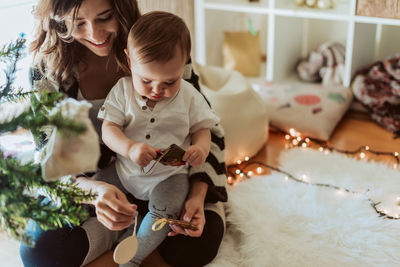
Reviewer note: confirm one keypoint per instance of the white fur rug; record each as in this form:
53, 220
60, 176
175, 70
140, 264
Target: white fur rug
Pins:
277, 222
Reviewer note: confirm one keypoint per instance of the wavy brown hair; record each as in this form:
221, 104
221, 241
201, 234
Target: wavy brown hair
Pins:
54, 49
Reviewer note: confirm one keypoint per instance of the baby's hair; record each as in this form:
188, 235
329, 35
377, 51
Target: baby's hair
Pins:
156, 35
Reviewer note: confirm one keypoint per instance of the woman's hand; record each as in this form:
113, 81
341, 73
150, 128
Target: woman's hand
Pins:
113, 210
193, 211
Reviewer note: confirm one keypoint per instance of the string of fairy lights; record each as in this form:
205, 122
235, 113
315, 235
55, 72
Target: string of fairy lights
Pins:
247, 168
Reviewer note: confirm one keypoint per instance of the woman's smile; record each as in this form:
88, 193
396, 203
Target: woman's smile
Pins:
101, 44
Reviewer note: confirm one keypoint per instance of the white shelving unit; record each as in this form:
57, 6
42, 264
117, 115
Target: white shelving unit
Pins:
288, 33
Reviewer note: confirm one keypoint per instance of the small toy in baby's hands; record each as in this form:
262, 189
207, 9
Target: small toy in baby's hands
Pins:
160, 222
171, 156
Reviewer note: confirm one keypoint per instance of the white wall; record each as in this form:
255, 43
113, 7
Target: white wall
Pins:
16, 18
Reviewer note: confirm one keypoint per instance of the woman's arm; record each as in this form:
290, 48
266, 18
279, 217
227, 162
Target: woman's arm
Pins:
113, 210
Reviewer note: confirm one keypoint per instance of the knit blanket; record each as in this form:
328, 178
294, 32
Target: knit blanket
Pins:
377, 87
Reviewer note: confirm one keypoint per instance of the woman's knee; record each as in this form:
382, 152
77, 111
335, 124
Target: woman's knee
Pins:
61, 247
187, 251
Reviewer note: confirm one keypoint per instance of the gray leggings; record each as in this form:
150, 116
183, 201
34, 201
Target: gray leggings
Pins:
166, 200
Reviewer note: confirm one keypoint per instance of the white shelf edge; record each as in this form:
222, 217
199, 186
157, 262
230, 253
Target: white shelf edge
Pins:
310, 14
376, 20
237, 8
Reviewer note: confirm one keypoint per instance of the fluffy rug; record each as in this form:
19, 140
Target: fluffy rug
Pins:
273, 221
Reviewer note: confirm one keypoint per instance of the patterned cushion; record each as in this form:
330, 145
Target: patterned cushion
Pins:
311, 109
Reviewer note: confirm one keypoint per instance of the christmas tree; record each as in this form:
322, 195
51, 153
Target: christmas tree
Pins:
24, 194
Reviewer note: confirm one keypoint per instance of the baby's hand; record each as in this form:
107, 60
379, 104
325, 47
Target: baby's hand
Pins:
142, 153
195, 155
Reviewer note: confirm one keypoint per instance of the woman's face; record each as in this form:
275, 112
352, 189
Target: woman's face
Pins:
95, 26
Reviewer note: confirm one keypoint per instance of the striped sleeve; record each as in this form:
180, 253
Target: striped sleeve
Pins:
213, 171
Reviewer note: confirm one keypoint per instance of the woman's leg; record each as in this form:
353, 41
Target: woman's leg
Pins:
166, 201
185, 251
65, 246
71, 246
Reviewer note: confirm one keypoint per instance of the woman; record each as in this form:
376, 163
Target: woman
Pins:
79, 50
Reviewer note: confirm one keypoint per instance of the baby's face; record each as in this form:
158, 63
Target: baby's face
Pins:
157, 80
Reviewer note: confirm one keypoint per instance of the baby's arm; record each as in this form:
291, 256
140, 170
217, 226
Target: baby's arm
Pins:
117, 141
197, 153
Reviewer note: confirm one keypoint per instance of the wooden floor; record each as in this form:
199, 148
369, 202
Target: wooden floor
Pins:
355, 130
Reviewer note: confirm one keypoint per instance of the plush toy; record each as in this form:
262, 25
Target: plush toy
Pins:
322, 4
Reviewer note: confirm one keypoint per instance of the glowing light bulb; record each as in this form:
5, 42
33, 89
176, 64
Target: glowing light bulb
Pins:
362, 155
339, 192
304, 145
321, 149
237, 171
239, 161
250, 173
295, 142
299, 138
241, 174
230, 180
246, 158
292, 132
259, 170
307, 140
367, 148
287, 137
396, 154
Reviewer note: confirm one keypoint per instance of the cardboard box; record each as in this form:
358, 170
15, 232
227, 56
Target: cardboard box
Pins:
379, 8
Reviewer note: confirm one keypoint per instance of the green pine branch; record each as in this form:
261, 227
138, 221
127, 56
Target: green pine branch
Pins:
24, 194
11, 54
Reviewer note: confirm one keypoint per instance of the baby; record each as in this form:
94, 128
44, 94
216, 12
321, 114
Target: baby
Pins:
150, 110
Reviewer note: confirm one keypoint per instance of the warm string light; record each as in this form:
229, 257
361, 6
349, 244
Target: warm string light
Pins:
294, 139
238, 173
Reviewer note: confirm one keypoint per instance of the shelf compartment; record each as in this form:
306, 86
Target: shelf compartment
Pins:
233, 21
288, 8
296, 37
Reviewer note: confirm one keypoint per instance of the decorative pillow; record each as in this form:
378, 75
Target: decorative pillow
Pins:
311, 109
243, 114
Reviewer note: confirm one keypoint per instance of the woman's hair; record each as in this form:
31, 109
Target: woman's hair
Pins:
156, 35
54, 49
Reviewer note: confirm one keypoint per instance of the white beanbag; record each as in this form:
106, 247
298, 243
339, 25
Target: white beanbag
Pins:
242, 112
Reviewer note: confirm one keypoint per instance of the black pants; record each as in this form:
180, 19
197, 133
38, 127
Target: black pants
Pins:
68, 246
